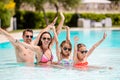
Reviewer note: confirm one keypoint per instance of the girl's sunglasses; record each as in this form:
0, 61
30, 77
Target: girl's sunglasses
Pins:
82, 52
85, 51
69, 49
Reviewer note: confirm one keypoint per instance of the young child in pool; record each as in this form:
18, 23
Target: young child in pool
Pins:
64, 52
81, 53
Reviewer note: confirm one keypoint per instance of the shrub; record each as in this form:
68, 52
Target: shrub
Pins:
20, 19
35, 20
73, 21
5, 16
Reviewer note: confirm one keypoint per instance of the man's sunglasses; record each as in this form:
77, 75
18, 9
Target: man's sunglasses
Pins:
28, 36
44, 38
69, 49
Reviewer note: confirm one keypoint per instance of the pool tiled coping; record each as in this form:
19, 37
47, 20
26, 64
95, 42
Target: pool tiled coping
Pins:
18, 35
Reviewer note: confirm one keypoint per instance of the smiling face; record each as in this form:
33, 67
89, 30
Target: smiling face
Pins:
66, 49
81, 51
46, 39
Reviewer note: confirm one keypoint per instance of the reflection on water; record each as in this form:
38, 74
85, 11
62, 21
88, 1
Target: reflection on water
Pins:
22, 72
103, 64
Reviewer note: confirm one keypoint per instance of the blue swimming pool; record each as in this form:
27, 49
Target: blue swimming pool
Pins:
106, 55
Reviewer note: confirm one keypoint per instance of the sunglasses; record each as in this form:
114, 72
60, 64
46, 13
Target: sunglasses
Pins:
84, 51
44, 38
69, 49
28, 36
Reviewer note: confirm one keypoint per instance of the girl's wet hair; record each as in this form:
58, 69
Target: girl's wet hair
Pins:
66, 41
80, 45
40, 42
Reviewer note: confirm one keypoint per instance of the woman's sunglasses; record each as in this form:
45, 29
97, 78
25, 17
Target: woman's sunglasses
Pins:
69, 49
44, 38
28, 36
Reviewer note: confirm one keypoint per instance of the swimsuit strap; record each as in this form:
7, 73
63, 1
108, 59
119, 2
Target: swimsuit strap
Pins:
51, 56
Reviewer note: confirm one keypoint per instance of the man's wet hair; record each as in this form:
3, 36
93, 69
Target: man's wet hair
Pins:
27, 30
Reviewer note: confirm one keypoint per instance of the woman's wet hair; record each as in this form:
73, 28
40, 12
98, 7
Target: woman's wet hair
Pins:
27, 30
63, 42
40, 42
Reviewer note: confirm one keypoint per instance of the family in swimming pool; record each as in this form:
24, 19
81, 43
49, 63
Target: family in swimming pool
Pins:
41, 47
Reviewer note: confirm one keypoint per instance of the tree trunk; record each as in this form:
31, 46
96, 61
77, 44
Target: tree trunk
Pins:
45, 17
57, 8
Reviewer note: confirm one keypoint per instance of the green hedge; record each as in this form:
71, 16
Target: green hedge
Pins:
95, 17
5, 17
29, 20
35, 20
115, 18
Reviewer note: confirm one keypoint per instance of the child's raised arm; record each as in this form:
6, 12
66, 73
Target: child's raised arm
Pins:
57, 44
67, 33
96, 44
76, 39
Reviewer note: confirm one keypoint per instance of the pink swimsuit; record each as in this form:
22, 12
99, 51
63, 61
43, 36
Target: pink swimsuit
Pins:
45, 59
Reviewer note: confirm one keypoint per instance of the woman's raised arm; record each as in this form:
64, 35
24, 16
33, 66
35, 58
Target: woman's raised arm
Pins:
35, 42
60, 25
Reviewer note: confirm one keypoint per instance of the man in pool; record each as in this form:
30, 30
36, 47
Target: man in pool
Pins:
22, 54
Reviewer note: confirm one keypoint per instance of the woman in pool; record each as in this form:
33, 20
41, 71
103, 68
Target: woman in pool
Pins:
44, 53
63, 54
81, 53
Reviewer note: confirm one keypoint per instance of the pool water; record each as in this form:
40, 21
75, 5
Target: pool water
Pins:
104, 63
